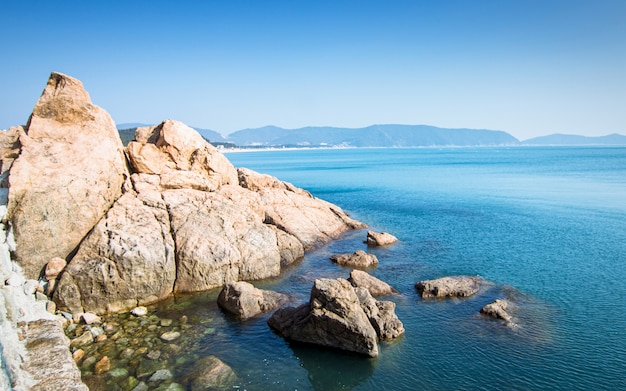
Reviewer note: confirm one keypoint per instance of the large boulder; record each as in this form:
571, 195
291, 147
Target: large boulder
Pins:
181, 157
338, 316
126, 260
359, 259
218, 241
245, 301
376, 287
69, 172
456, 286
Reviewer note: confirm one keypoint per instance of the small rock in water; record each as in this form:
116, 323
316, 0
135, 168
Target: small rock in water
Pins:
118, 372
183, 319
170, 335
160, 375
101, 338
166, 322
104, 365
380, 239
154, 355
85, 339
90, 318
139, 311
78, 355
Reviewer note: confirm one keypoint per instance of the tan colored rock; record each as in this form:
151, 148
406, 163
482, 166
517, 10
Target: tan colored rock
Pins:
210, 373
339, 316
218, 241
245, 301
69, 172
54, 267
497, 309
359, 259
376, 287
9, 150
456, 286
173, 146
380, 238
102, 366
127, 260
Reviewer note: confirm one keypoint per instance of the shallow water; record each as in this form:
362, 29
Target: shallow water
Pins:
543, 226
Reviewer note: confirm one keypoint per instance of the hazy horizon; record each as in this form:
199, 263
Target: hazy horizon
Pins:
529, 69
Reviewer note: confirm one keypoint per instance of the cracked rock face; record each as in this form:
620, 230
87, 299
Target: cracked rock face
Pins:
69, 172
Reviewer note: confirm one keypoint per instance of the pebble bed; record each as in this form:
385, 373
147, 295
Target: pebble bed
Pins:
139, 352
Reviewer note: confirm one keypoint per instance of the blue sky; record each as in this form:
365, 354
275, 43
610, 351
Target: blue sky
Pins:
527, 67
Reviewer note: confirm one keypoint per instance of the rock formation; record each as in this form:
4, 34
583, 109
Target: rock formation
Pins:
457, 286
376, 287
497, 309
211, 373
380, 238
245, 301
339, 316
168, 214
69, 171
359, 259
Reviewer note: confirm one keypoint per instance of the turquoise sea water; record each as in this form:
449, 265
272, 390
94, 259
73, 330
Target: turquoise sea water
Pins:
546, 227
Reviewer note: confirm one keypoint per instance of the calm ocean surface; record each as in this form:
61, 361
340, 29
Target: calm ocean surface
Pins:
546, 227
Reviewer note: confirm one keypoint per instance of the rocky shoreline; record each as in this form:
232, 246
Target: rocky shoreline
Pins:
93, 232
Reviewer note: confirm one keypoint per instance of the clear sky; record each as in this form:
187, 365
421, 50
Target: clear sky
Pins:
530, 67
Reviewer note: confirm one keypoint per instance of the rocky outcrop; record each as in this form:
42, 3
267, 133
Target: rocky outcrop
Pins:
497, 309
168, 214
359, 259
457, 286
380, 238
376, 287
245, 301
339, 316
70, 170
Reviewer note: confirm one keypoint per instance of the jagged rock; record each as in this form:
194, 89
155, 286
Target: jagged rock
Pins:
181, 156
296, 211
497, 309
245, 301
90, 318
139, 311
380, 238
381, 314
69, 172
376, 287
359, 259
210, 373
9, 150
457, 286
340, 317
127, 260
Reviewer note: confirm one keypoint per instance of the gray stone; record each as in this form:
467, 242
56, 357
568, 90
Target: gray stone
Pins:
245, 301
457, 286
359, 259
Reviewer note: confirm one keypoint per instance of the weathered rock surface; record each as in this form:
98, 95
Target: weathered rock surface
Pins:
49, 359
70, 170
339, 316
497, 309
376, 287
359, 259
457, 286
245, 301
380, 238
9, 151
210, 373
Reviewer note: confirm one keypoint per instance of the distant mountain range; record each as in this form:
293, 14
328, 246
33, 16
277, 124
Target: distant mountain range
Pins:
382, 136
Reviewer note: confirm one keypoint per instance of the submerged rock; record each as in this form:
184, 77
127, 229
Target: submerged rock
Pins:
339, 316
245, 301
380, 238
210, 373
376, 287
457, 286
359, 259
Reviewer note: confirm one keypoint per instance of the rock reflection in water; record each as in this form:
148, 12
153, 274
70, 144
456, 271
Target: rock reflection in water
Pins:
331, 369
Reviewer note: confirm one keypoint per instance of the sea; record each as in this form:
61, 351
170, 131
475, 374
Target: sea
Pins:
543, 227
